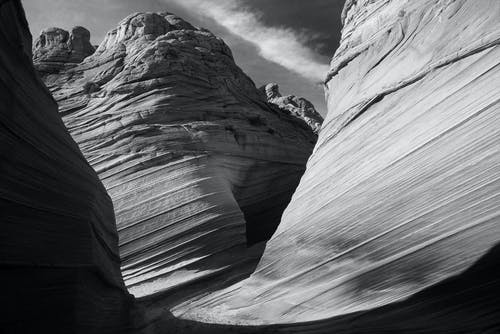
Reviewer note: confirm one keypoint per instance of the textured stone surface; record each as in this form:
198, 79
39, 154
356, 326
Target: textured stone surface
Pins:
197, 163
403, 188
56, 49
399, 200
296, 106
59, 261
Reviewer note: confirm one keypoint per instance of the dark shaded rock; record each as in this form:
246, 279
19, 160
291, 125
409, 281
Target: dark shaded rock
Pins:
59, 261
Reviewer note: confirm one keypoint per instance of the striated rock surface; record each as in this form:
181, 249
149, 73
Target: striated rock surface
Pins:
296, 106
403, 188
197, 163
56, 49
59, 260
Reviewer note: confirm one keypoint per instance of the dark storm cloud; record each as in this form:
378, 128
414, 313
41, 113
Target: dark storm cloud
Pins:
279, 44
318, 19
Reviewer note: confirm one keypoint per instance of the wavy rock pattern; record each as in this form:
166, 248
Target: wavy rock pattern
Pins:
195, 160
403, 188
56, 49
296, 106
59, 261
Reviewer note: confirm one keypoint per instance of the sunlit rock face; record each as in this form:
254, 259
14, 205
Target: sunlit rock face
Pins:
197, 163
403, 188
59, 260
296, 106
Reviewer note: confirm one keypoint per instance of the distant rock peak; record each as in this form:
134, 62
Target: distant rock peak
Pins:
296, 106
57, 48
272, 90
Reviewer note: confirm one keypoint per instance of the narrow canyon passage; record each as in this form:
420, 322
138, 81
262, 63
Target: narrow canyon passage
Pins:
149, 186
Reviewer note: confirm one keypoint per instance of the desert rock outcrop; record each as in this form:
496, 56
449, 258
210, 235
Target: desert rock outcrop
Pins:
403, 188
197, 163
296, 106
56, 49
59, 260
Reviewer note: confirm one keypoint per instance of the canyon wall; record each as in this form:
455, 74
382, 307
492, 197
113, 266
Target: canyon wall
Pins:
402, 190
59, 261
198, 164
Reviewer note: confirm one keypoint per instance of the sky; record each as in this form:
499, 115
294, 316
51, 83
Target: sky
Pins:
289, 42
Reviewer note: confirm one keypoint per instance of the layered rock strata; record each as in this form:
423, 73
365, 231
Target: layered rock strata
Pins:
403, 188
197, 163
56, 49
59, 260
296, 106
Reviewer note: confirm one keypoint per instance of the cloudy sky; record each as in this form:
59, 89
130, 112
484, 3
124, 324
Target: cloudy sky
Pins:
285, 41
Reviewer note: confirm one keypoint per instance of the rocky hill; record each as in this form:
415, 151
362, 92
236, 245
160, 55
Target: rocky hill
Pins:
198, 165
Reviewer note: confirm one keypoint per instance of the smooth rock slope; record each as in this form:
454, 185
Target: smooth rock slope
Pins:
403, 188
59, 260
197, 163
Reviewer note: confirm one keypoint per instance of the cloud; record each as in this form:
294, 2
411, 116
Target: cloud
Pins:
283, 46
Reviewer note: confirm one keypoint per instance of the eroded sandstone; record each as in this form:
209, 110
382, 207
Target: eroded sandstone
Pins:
59, 260
403, 188
56, 49
197, 163
392, 227
296, 106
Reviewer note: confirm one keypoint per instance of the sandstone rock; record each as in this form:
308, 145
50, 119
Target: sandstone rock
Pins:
403, 188
59, 260
56, 49
197, 163
296, 106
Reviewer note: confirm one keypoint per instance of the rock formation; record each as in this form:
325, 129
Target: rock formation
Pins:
56, 49
403, 188
59, 261
197, 163
394, 227
296, 106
